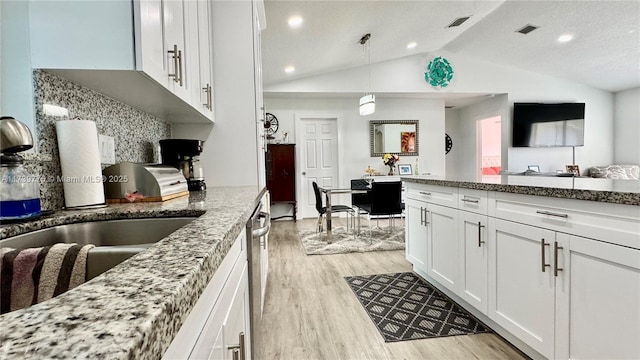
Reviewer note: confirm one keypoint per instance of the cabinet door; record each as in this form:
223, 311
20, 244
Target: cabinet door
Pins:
235, 332
175, 52
202, 91
150, 42
474, 261
521, 294
416, 234
442, 242
598, 300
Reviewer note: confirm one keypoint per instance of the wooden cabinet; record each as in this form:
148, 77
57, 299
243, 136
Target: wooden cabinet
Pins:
474, 259
145, 53
281, 174
442, 245
219, 323
597, 300
416, 233
561, 277
204, 89
521, 289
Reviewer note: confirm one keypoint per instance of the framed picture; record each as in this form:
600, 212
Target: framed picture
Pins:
405, 169
574, 169
535, 168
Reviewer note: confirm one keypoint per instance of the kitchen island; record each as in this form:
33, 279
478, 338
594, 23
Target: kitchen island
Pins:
546, 262
134, 310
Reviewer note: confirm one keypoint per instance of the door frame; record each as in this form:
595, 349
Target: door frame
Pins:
298, 121
478, 159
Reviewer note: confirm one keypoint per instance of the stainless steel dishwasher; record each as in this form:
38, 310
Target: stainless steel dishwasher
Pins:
257, 229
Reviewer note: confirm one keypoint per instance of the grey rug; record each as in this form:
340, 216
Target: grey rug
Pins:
405, 307
343, 242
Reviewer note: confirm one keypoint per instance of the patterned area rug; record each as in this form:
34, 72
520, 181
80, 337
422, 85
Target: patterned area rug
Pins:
405, 307
343, 242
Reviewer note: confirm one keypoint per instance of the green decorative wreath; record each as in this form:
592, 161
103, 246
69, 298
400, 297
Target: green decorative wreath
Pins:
439, 72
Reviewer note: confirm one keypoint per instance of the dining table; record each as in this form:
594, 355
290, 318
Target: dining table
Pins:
328, 191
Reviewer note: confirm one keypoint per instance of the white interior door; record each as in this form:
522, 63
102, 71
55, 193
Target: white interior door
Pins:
318, 159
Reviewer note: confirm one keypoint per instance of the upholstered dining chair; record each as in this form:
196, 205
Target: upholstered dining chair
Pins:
386, 200
334, 209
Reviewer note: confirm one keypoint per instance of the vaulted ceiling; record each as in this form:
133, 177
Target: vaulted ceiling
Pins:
604, 52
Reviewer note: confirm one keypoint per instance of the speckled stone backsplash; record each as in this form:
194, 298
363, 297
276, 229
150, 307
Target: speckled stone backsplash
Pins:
136, 133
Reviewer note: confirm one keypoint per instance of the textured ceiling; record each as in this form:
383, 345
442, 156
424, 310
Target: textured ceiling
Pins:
605, 52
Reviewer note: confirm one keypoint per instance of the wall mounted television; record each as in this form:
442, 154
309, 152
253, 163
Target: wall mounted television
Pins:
548, 125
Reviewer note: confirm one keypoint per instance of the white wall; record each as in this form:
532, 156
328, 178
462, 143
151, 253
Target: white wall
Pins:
353, 129
477, 76
465, 135
452, 125
627, 127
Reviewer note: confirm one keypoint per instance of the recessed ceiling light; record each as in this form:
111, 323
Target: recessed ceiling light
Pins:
295, 21
289, 69
565, 38
411, 45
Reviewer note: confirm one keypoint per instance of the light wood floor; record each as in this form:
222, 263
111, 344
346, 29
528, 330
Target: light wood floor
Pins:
311, 313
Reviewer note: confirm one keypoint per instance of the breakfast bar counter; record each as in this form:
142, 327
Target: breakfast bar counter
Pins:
576, 188
134, 310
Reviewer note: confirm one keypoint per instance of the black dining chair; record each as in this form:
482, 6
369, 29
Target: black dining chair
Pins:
386, 200
334, 209
362, 198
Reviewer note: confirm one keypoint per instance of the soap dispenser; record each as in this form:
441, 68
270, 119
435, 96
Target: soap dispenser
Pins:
20, 191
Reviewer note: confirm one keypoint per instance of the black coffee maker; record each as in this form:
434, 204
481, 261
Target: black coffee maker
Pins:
183, 154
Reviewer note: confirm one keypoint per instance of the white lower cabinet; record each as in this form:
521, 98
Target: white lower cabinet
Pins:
218, 326
442, 245
416, 233
526, 264
474, 259
521, 294
598, 300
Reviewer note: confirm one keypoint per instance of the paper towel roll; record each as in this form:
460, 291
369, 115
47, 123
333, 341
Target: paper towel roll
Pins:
80, 163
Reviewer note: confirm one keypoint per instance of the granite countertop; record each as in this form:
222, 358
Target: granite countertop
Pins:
603, 190
134, 310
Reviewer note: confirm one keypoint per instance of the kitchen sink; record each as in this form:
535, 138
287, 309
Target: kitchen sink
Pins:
115, 240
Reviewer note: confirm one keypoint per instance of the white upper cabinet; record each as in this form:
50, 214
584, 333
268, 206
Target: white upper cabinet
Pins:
150, 37
145, 53
202, 92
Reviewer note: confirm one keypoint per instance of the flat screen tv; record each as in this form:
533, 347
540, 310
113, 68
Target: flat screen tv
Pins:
548, 125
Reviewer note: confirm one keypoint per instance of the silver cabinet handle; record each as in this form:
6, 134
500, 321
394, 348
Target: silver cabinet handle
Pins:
556, 269
426, 217
180, 66
425, 193
265, 229
207, 90
544, 262
552, 214
177, 64
421, 216
480, 242
239, 349
470, 200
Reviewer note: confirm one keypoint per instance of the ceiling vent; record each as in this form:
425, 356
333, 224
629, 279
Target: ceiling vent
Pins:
449, 107
527, 29
458, 21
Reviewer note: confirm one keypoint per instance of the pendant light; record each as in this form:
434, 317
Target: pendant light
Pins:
368, 101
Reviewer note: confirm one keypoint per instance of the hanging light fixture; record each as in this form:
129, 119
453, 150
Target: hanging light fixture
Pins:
368, 101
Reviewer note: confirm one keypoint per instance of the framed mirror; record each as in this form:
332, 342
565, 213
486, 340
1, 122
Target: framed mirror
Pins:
393, 137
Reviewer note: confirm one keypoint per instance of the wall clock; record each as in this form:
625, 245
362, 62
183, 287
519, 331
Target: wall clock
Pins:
448, 143
439, 72
270, 125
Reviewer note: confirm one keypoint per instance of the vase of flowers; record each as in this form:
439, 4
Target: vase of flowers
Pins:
390, 161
